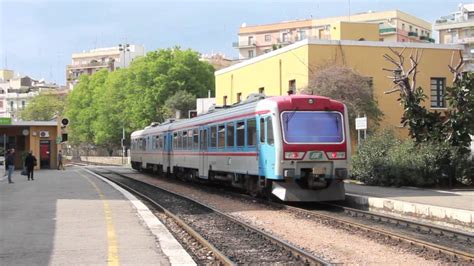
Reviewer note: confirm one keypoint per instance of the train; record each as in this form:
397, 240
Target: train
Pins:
294, 147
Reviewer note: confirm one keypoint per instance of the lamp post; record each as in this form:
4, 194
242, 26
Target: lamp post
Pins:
124, 48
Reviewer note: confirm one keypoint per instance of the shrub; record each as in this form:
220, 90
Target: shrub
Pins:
387, 161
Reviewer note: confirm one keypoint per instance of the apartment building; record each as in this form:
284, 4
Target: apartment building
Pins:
458, 28
392, 26
17, 91
111, 58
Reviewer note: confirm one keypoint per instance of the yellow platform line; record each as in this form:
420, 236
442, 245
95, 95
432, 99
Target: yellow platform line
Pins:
113, 258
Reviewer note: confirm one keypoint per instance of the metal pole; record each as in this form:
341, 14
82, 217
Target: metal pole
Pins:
123, 144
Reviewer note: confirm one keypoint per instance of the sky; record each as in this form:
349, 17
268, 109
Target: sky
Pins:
37, 38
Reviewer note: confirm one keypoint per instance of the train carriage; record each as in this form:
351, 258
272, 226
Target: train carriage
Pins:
295, 147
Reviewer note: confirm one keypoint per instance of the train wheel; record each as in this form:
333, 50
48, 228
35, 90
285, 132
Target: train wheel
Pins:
252, 186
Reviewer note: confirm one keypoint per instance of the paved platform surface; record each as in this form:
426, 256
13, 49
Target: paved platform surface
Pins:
454, 208
73, 217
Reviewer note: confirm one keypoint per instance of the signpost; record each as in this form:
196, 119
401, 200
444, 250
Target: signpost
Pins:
5, 121
361, 124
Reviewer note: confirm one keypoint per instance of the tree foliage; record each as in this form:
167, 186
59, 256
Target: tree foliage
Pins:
346, 85
44, 107
182, 101
101, 105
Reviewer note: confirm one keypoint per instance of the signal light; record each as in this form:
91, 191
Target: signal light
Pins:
336, 155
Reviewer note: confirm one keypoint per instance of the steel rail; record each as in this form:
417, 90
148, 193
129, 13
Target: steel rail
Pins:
402, 238
219, 256
429, 228
308, 258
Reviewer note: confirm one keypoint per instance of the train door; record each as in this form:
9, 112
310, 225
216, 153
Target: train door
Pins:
266, 148
167, 153
203, 156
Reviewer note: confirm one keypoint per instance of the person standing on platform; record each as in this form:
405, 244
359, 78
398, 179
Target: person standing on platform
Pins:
30, 162
10, 163
60, 161
5, 162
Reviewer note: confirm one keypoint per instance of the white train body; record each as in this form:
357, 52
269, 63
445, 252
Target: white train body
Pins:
296, 147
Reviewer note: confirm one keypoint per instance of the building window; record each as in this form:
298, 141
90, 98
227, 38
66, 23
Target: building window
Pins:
268, 37
251, 41
284, 37
292, 86
11, 105
403, 26
224, 100
239, 97
1, 104
23, 104
261, 90
251, 55
302, 35
437, 92
411, 28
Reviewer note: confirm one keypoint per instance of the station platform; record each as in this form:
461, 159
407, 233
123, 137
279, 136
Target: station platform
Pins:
74, 217
451, 208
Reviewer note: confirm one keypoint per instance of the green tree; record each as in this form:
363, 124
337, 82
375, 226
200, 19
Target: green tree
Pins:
44, 107
182, 101
346, 85
82, 108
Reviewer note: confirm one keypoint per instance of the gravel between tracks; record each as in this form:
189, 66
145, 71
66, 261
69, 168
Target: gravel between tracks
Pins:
332, 244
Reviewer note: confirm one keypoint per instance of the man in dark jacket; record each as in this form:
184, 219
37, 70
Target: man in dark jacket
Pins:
10, 163
30, 162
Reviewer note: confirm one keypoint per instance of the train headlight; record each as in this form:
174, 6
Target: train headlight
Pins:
336, 155
293, 155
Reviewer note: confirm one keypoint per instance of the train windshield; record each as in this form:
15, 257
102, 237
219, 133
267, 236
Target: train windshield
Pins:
312, 127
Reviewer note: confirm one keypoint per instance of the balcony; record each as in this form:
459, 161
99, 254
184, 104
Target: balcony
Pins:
244, 44
387, 30
424, 38
284, 40
413, 34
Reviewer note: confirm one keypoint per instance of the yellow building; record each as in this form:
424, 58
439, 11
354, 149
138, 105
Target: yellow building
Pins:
291, 67
390, 26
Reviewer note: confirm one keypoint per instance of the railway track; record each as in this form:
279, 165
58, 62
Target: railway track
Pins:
448, 244
230, 240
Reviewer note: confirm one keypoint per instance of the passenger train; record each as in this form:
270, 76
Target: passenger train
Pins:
295, 147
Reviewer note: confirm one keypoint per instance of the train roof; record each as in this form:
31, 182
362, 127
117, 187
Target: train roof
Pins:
244, 107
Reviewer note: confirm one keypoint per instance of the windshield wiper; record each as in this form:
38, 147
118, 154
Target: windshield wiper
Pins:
290, 116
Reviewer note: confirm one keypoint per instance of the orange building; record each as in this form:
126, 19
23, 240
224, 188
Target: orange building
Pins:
41, 137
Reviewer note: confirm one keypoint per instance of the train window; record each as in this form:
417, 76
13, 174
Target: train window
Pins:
144, 144
190, 140
175, 140
230, 135
240, 134
221, 136
262, 130
213, 137
195, 139
204, 139
184, 139
270, 139
251, 132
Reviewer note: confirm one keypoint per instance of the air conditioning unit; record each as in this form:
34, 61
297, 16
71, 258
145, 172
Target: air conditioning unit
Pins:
44, 134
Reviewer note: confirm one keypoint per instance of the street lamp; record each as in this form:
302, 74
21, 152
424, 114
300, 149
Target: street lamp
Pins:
124, 48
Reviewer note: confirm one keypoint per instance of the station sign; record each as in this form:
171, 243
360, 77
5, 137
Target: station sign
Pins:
361, 123
5, 121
